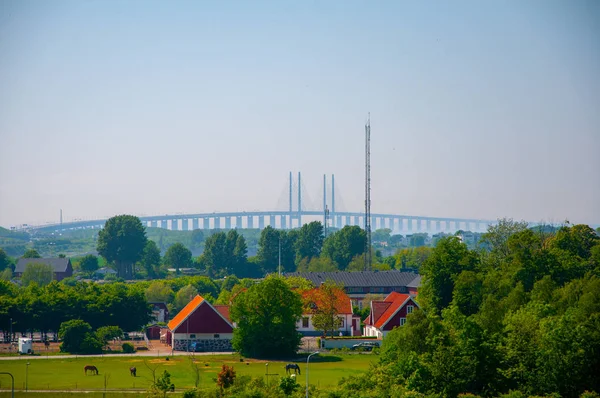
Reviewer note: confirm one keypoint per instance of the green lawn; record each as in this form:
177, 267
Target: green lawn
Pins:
67, 374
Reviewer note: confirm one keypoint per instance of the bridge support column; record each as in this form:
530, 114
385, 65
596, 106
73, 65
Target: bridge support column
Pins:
217, 221
185, 225
438, 226
227, 222
338, 222
250, 222
195, 223
428, 227
163, 224
456, 225
272, 221
154, 224
409, 224
261, 222
206, 223
283, 221
238, 222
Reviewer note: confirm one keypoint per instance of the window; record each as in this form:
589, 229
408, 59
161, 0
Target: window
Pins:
409, 309
216, 336
192, 336
305, 322
341, 322
402, 321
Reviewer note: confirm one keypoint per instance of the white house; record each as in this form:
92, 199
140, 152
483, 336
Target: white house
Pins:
350, 323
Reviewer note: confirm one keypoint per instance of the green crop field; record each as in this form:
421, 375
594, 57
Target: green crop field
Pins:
68, 374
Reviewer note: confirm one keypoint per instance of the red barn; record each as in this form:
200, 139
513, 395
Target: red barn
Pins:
201, 327
389, 313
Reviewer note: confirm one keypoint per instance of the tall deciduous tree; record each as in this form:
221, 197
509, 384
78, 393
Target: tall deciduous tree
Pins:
310, 241
344, 245
31, 253
89, 263
178, 256
4, 260
158, 292
122, 241
184, 296
325, 304
447, 260
42, 274
269, 308
151, 259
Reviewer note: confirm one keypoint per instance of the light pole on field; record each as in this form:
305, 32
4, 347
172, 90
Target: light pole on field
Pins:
308, 359
27, 376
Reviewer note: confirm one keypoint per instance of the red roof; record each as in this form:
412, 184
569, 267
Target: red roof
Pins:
185, 312
343, 303
382, 311
223, 310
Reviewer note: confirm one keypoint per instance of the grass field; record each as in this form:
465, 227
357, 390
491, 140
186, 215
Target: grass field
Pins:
68, 375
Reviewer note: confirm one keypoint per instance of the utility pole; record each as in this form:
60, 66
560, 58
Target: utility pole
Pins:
368, 193
326, 218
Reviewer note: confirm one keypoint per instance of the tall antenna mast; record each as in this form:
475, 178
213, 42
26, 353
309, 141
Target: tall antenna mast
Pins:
368, 193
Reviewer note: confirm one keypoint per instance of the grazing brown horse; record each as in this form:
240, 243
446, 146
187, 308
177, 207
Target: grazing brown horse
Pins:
132, 371
90, 367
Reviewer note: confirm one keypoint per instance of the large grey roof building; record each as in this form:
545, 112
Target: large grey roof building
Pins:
61, 266
358, 284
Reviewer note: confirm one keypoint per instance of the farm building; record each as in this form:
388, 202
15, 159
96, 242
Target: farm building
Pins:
200, 326
389, 313
61, 267
358, 284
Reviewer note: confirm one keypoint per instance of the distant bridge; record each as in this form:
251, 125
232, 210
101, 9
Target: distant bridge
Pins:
292, 218
287, 220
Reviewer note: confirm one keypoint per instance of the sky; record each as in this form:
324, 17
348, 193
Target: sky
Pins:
478, 109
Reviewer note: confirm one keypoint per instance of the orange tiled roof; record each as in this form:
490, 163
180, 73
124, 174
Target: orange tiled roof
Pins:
395, 300
185, 312
223, 310
343, 303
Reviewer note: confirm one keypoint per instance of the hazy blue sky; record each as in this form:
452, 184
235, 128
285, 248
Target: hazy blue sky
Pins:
480, 109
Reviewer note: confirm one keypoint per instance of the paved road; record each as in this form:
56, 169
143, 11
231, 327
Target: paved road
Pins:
137, 354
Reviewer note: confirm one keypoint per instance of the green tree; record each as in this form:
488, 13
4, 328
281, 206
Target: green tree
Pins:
317, 264
42, 274
342, 246
31, 253
197, 237
309, 241
268, 308
268, 249
151, 259
77, 338
89, 263
6, 275
496, 237
106, 333
215, 253
163, 384
178, 256
184, 296
4, 260
447, 260
122, 241
159, 292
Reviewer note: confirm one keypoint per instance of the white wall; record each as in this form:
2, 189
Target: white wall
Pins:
203, 336
346, 328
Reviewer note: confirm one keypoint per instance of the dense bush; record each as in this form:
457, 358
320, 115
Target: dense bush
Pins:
128, 348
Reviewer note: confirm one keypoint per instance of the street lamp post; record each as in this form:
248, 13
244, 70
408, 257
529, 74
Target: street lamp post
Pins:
27, 377
308, 359
267, 373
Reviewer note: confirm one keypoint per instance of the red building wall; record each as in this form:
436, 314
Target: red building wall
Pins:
204, 320
395, 321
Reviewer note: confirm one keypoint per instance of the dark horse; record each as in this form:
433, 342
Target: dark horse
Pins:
292, 366
132, 371
90, 367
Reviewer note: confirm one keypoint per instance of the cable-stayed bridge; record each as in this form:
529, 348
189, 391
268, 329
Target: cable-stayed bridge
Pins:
293, 216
